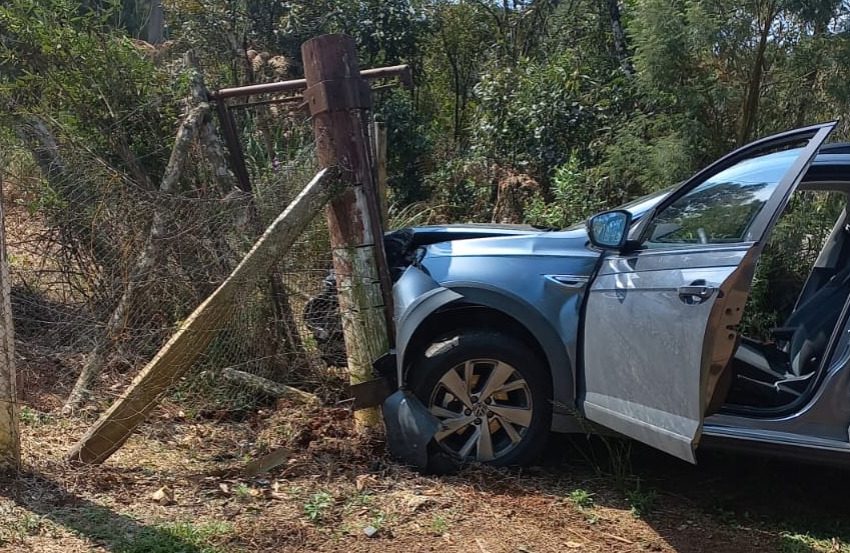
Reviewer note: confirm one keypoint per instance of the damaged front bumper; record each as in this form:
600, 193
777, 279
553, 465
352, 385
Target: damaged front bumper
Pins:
410, 428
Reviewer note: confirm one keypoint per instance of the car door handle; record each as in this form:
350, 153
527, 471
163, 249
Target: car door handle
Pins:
696, 293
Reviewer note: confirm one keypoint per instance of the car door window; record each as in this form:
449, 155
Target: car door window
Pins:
721, 209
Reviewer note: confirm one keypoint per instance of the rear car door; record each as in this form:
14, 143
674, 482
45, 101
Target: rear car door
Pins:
660, 318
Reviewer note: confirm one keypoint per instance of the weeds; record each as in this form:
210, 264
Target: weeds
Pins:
439, 525
31, 417
581, 498
181, 536
242, 492
317, 506
642, 501
19, 527
379, 518
794, 542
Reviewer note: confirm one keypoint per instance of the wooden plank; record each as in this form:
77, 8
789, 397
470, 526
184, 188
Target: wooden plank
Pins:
267, 462
117, 424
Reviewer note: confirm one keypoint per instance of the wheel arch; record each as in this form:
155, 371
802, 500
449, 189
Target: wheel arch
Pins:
482, 308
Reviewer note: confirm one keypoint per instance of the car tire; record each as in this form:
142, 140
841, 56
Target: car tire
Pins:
517, 405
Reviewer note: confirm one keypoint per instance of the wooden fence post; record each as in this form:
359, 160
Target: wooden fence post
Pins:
10, 445
379, 146
339, 100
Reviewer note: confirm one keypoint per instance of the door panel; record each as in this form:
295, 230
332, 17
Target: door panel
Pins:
636, 402
659, 324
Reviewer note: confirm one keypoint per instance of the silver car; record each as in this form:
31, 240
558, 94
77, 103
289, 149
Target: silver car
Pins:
626, 324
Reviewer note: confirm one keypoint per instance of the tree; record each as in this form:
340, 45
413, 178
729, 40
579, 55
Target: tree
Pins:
156, 22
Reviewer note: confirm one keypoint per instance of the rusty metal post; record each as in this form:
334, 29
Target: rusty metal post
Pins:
339, 99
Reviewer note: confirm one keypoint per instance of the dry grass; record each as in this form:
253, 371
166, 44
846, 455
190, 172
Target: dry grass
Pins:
336, 484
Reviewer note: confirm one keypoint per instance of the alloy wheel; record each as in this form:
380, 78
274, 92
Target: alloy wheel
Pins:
485, 408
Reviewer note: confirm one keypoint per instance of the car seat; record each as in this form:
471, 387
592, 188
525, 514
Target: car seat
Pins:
801, 343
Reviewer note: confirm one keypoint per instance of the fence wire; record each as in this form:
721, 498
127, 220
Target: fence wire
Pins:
78, 229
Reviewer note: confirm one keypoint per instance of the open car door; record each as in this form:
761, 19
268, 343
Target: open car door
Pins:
660, 319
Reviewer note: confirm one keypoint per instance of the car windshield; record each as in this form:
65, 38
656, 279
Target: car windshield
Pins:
643, 204
638, 206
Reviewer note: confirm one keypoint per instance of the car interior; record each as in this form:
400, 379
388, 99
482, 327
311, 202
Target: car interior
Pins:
779, 368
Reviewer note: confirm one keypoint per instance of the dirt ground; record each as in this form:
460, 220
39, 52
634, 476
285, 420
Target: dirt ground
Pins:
336, 487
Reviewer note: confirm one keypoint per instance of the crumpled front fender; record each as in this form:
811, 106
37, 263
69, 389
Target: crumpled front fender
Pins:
410, 431
416, 296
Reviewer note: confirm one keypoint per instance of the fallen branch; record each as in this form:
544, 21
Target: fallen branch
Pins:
268, 387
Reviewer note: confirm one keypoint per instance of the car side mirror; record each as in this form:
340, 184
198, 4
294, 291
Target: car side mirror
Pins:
609, 230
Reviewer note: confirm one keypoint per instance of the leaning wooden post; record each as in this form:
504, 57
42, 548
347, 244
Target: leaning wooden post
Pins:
10, 445
339, 99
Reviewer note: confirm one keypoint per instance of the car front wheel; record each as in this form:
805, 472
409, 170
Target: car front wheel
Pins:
492, 394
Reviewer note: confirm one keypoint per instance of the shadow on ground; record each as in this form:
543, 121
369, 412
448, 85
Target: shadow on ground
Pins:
771, 504
116, 532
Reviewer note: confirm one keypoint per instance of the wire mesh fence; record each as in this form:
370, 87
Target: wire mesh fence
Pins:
95, 287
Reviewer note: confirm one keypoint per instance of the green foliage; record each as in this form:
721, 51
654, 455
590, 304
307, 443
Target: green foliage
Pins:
387, 32
804, 542
180, 537
572, 199
581, 498
88, 78
787, 259
463, 189
409, 146
533, 116
31, 417
641, 500
318, 505
643, 155
439, 525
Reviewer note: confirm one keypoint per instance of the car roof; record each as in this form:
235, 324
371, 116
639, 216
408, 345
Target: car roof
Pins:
831, 164
835, 148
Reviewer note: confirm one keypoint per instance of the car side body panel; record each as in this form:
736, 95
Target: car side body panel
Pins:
494, 273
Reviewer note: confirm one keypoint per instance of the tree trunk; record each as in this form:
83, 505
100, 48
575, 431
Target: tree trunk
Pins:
749, 112
620, 47
156, 23
10, 446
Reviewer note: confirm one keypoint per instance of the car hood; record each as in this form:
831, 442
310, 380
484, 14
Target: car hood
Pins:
430, 234
521, 242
